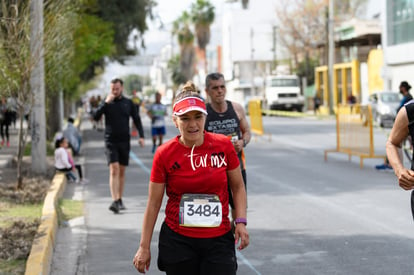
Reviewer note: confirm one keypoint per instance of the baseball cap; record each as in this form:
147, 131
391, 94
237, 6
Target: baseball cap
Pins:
189, 104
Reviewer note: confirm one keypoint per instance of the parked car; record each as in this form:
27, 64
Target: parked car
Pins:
384, 107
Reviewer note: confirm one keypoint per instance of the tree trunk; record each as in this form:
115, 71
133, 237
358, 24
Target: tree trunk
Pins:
53, 119
37, 87
22, 136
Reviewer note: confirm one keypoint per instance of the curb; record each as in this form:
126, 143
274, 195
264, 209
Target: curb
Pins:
40, 256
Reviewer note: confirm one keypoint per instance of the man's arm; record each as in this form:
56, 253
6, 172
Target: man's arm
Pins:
99, 111
398, 133
244, 124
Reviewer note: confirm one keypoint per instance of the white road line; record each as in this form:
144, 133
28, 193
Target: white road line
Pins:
246, 262
139, 162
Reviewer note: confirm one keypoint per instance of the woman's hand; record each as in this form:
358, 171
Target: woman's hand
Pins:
142, 259
242, 235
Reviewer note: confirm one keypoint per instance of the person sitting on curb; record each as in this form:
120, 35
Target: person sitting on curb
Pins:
73, 136
64, 162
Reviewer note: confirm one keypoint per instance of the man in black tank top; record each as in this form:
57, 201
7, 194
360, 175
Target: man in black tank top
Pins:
403, 127
227, 118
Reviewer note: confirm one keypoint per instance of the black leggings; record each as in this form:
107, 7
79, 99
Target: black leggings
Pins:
193, 267
3, 123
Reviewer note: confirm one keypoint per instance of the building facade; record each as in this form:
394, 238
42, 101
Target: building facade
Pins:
398, 42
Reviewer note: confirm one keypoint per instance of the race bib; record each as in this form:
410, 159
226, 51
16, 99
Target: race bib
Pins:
200, 210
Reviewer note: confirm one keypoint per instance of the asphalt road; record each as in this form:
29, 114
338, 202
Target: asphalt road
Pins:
305, 215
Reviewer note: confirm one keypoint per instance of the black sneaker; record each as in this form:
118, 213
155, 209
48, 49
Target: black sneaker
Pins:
114, 207
121, 206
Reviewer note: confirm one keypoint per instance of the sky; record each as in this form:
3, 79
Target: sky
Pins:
169, 11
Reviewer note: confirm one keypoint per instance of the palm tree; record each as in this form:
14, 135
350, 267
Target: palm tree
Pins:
202, 16
185, 37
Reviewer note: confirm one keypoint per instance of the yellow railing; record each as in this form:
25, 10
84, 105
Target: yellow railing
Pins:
354, 132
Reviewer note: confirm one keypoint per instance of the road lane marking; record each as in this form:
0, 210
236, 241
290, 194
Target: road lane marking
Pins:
139, 162
246, 262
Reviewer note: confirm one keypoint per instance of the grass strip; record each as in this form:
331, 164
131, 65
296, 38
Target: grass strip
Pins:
69, 209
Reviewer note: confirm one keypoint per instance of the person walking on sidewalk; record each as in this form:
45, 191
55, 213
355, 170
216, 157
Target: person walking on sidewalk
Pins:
157, 113
72, 134
5, 121
118, 110
227, 118
194, 169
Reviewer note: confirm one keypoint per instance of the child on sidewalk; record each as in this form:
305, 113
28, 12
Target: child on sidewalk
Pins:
64, 161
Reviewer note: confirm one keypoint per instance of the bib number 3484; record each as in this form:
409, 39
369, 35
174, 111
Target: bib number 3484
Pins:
200, 210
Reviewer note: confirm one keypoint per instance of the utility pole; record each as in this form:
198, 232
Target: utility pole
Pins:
253, 89
331, 55
274, 48
37, 87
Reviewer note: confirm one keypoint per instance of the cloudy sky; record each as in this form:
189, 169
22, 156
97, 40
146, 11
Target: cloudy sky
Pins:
169, 11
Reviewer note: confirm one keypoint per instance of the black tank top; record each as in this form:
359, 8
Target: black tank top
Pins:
226, 123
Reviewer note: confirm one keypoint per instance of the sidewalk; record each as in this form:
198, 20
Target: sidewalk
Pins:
7, 153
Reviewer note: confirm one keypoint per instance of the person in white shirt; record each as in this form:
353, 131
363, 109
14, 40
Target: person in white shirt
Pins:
64, 161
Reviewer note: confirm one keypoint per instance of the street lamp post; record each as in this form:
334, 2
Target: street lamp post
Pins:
331, 55
274, 48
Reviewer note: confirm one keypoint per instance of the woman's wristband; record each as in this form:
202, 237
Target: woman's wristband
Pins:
240, 220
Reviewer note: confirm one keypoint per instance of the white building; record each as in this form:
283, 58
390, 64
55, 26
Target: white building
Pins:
398, 42
249, 37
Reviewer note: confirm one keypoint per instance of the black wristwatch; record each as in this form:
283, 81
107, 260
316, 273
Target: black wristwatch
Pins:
244, 143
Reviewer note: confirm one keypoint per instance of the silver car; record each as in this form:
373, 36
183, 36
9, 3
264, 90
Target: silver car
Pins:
384, 107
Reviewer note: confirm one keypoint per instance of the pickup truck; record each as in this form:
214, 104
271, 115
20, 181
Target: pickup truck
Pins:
282, 92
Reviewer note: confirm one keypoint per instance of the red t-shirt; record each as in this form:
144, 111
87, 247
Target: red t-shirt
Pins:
202, 172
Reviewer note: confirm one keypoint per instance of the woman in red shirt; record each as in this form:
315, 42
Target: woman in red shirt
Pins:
193, 169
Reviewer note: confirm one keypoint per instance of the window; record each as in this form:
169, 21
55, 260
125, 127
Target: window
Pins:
390, 97
400, 17
279, 82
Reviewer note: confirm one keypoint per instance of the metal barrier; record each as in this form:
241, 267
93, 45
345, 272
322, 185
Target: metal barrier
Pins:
256, 120
354, 132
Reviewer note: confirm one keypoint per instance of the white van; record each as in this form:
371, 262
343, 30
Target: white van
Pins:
282, 92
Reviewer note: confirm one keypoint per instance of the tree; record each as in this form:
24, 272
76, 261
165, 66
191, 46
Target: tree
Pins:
302, 24
185, 37
175, 69
37, 87
135, 82
202, 16
302, 27
15, 66
125, 16
84, 40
